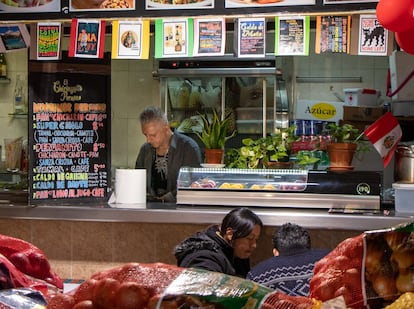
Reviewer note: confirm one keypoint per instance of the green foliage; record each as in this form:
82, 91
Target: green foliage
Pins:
347, 133
255, 152
306, 157
215, 131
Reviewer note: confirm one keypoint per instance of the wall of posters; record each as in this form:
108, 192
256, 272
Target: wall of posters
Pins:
292, 35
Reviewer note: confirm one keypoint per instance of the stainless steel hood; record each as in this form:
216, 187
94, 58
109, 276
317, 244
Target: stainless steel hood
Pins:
225, 66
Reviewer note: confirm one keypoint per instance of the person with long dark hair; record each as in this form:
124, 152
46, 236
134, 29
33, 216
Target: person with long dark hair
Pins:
224, 248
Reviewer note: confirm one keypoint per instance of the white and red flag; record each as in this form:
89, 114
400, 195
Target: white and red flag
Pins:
385, 134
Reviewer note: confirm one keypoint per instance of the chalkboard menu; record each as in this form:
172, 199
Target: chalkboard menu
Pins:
69, 136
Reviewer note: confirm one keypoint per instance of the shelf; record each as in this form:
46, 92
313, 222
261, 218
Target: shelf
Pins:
18, 115
4, 80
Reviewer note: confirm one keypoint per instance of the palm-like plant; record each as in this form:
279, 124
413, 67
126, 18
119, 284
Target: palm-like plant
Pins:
215, 131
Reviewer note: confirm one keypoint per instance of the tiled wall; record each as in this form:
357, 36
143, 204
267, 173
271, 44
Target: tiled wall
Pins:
78, 249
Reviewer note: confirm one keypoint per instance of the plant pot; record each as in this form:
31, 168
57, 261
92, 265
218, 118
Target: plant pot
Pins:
341, 155
214, 156
278, 164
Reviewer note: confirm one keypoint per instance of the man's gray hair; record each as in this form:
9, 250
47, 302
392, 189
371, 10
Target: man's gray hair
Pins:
152, 113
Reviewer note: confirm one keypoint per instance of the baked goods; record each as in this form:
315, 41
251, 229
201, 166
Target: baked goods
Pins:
114, 4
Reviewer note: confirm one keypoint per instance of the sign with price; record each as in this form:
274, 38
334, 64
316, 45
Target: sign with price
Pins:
69, 137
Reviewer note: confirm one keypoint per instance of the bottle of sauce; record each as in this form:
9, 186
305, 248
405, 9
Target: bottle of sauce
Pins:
3, 66
19, 107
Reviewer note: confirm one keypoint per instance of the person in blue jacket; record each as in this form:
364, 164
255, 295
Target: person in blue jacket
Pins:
290, 269
164, 153
223, 248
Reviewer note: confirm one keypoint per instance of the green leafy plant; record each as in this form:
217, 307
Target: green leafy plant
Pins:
346, 133
215, 131
306, 158
257, 152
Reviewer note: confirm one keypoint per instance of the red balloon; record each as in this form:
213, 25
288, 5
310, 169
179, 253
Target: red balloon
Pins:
396, 15
405, 40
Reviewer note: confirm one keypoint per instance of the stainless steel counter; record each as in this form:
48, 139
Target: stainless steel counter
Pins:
171, 213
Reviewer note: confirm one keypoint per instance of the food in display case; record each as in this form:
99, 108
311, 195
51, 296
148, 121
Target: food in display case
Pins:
338, 191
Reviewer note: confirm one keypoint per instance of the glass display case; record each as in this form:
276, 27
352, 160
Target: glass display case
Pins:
279, 188
253, 93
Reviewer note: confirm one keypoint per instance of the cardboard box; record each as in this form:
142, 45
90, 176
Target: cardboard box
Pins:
401, 65
318, 110
361, 97
362, 113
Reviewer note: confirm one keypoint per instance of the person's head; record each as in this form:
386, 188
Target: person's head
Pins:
155, 127
289, 238
241, 228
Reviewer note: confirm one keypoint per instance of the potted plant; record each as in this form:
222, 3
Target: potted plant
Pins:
214, 135
266, 151
345, 142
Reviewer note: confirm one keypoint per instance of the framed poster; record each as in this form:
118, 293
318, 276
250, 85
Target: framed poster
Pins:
105, 5
130, 39
292, 35
178, 5
87, 38
34, 6
347, 1
13, 37
373, 37
172, 37
265, 3
250, 37
48, 36
209, 37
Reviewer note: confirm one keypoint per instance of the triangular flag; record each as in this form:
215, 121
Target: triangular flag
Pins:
385, 134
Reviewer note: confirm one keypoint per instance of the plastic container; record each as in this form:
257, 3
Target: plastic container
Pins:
404, 196
361, 97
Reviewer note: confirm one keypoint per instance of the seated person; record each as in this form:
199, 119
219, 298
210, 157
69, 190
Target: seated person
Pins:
224, 248
291, 267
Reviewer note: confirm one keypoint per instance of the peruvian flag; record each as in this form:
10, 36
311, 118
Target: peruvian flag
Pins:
385, 134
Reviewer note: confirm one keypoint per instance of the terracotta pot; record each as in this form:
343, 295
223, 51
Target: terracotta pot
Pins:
214, 156
341, 154
278, 164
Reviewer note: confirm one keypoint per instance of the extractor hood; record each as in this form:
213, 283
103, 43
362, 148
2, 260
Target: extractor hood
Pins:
229, 66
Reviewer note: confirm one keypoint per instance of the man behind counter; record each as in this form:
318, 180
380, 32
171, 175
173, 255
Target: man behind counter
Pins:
163, 155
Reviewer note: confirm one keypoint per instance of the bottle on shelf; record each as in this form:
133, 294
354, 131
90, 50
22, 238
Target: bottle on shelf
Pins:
3, 66
19, 106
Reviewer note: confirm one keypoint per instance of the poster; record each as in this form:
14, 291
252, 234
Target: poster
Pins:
251, 37
347, 1
373, 38
105, 5
130, 39
87, 38
265, 3
48, 41
292, 35
209, 37
332, 34
178, 5
173, 38
69, 137
13, 37
32, 6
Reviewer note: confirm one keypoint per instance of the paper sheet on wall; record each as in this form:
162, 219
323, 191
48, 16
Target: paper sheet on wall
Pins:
130, 39
174, 38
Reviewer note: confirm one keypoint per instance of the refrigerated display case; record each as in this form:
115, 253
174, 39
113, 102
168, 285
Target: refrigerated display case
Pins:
296, 188
253, 92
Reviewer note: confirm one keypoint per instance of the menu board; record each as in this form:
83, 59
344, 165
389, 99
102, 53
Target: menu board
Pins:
251, 37
69, 137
